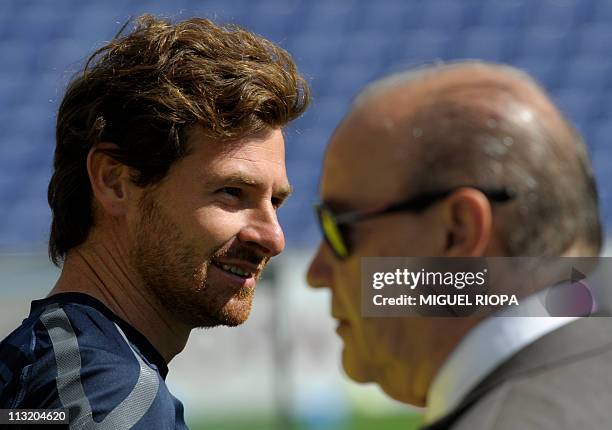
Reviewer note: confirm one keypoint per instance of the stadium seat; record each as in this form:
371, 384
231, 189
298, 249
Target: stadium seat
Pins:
38, 22
30, 220
369, 49
306, 146
296, 215
600, 11
578, 106
276, 20
485, 43
329, 16
7, 12
317, 48
12, 88
17, 57
345, 80
600, 139
67, 55
560, 14
16, 153
587, 73
97, 22
219, 10
421, 46
594, 40
392, 16
547, 42
446, 15
328, 111
546, 72
9, 190
42, 113
602, 159
511, 15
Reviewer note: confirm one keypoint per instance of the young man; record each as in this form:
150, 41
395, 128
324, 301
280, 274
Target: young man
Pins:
168, 172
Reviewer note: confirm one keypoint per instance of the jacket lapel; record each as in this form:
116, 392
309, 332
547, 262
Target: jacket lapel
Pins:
582, 337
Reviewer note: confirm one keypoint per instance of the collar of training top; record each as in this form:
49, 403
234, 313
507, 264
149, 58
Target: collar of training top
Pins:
138, 339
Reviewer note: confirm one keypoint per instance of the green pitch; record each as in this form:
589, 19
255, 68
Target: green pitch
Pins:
357, 422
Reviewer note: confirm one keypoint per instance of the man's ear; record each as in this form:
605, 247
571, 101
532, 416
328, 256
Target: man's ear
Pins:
109, 180
469, 223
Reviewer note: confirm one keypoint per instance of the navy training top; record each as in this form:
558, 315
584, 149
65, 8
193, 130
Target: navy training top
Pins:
72, 352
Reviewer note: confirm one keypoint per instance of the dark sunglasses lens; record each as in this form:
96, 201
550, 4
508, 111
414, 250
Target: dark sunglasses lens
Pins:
332, 233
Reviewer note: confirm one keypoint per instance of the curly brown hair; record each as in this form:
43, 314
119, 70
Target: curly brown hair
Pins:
142, 91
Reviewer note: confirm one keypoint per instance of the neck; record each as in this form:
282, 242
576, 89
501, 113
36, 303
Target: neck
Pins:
411, 372
105, 274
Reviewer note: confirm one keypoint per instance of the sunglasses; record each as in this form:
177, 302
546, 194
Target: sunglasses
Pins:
334, 226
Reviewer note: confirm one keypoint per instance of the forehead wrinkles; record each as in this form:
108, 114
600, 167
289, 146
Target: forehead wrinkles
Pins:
264, 152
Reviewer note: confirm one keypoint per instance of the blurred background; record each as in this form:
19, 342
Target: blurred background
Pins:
281, 369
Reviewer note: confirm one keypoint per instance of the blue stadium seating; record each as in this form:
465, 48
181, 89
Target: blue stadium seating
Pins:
329, 16
594, 40
386, 18
340, 45
547, 42
545, 71
317, 47
420, 46
588, 73
446, 15
601, 156
509, 16
576, 105
486, 43
345, 78
369, 48
600, 11
560, 14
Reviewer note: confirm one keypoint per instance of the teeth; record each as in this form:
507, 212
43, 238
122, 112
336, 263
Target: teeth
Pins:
235, 270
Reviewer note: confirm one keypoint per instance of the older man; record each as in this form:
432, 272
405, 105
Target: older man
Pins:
464, 160
168, 172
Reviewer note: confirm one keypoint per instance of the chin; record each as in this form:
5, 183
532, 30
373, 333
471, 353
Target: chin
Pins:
235, 312
204, 314
398, 392
355, 369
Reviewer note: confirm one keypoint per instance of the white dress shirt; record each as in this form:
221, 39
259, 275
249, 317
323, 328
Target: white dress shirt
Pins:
493, 341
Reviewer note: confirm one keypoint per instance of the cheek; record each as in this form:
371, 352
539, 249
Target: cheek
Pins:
386, 343
403, 241
213, 225
393, 336
348, 289
378, 241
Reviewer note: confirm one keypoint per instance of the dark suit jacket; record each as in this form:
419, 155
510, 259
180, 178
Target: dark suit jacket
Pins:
563, 381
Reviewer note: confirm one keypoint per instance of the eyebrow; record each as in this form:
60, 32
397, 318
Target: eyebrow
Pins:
239, 178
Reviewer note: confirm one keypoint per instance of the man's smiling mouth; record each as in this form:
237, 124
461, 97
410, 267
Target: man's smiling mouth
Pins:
234, 269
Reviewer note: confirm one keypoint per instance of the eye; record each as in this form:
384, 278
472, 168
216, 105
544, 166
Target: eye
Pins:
276, 202
232, 191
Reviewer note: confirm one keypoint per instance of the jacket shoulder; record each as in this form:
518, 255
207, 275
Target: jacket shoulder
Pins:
571, 395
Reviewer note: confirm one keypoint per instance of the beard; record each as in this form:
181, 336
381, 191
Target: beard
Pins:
175, 272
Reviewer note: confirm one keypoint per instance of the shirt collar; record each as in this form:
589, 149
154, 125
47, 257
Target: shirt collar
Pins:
134, 336
493, 341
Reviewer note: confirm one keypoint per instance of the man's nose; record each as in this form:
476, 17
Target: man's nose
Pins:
264, 231
319, 272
